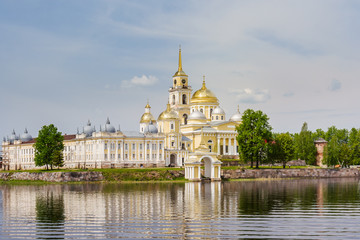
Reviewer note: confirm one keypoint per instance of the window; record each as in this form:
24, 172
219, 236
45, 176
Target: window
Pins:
147, 146
183, 145
174, 82
226, 148
211, 111
172, 144
119, 146
184, 99
160, 156
140, 146
147, 156
210, 148
105, 156
185, 117
201, 110
222, 117
210, 142
133, 146
119, 156
140, 155
126, 146
133, 156
173, 99
217, 117
172, 126
160, 146
126, 156
105, 146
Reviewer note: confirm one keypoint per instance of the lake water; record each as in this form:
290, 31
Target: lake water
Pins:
278, 209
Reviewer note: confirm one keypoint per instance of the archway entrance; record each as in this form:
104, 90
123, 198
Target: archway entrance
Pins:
172, 160
207, 167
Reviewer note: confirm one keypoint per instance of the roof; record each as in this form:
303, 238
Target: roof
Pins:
133, 134
185, 139
320, 140
66, 137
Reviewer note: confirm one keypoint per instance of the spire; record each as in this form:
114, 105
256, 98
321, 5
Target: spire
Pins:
203, 84
26, 131
147, 105
202, 147
180, 64
107, 120
180, 71
238, 109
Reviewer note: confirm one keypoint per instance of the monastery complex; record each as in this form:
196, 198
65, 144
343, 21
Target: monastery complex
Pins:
191, 132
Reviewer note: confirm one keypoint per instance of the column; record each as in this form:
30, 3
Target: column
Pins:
116, 151
224, 145
234, 148
218, 145
158, 151
151, 147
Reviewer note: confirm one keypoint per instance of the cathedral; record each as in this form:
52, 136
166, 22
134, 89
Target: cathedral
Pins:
192, 132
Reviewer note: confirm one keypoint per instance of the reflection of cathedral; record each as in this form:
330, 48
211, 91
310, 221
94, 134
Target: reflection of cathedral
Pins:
190, 127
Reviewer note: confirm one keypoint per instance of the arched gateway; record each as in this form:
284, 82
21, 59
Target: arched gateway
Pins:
211, 165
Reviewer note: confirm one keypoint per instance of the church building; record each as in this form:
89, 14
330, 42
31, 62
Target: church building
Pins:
191, 132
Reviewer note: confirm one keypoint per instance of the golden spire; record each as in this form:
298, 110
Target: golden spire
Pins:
203, 84
180, 71
147, 105
180, 64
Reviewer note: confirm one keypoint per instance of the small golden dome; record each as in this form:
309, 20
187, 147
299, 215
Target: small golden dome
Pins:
168, 114
147, 105
204, 95
147, 117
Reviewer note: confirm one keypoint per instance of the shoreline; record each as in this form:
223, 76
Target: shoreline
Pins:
163, 175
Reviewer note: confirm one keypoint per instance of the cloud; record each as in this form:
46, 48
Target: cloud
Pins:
140, 81
335, 85
248, 95
288, 94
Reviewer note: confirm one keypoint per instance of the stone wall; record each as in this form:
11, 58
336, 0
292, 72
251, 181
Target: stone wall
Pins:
53, 176
290, 173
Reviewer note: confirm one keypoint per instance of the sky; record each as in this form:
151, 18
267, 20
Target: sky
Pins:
67, 62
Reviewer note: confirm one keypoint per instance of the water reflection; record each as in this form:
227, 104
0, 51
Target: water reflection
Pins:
184, 210
50, 215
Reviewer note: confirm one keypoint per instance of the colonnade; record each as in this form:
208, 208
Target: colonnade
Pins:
229, 141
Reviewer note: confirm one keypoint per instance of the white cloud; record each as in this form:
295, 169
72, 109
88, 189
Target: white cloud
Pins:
248, 95
140, 81
335, 85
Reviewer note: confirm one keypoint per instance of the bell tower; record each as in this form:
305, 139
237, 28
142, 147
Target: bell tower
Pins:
180, 93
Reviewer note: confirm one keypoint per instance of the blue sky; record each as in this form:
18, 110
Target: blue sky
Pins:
65, 62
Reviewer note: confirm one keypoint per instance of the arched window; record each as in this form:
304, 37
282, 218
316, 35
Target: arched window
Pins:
217, 117
211, 111
210, 148
173, 99
184, 99
222, 117
185, 116
201, 110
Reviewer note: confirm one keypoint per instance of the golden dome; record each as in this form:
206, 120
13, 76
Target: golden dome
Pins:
147, 105
204, 95
147, 117
168, 114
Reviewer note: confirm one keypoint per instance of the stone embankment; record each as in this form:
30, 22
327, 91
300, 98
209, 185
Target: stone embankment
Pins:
53, 176
290, 173
175, 174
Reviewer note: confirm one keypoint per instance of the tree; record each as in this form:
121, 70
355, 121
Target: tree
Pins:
354, 144
253, 135
285, 147
49, 147
304, 146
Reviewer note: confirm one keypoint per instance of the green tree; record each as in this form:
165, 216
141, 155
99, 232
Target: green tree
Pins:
354, 144
285, 147
253, 135
58, 159
48, 147
304, 146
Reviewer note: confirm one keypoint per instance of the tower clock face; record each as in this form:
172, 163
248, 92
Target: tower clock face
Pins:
183, 81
